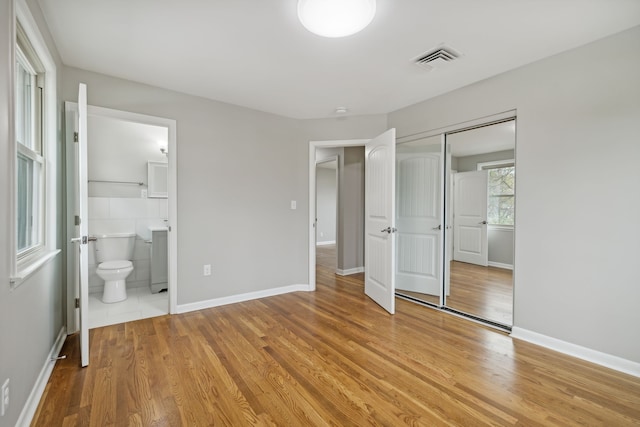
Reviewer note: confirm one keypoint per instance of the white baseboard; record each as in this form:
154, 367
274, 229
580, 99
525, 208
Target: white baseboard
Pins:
326, 243
500, 265
604, 359
31, 405
349, 271
200, 305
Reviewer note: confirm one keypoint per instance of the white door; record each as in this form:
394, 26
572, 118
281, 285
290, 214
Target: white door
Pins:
470, 218
419, 218
380, 219
82, 231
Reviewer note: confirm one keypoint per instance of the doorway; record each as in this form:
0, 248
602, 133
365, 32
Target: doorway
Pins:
327, 211
379, 215
127, 154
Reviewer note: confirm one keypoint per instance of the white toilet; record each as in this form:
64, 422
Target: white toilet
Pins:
113, 254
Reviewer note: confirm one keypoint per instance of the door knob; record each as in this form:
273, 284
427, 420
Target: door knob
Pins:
483, 222
439, 227
389, 230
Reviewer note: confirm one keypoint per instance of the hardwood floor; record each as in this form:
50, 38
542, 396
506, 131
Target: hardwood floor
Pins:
330, 357
486, 292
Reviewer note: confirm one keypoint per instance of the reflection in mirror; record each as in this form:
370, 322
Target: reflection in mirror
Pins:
480, 221
419, 166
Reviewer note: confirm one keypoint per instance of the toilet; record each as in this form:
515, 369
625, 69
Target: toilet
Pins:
113, 254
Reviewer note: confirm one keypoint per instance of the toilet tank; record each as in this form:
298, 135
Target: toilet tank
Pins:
116, 246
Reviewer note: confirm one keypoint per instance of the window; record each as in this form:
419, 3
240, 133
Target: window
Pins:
501, 192
30, 164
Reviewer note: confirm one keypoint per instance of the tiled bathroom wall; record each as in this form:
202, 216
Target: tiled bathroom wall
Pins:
122, 215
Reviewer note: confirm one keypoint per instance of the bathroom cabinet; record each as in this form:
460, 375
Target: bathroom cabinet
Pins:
157, 179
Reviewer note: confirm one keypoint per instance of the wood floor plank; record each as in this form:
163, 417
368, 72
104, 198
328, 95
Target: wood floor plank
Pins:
330, 357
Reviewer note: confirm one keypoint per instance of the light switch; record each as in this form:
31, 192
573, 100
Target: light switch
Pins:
293, 204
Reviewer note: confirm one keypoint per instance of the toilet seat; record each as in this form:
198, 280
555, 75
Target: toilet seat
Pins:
115, 265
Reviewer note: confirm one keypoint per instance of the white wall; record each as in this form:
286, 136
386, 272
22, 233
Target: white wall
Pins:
326, 205
238, 170
577, 155
118, 150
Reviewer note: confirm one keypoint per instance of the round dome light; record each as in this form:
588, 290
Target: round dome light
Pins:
336, 18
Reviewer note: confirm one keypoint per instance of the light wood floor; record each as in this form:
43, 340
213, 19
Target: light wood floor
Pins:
486, 292
330, 357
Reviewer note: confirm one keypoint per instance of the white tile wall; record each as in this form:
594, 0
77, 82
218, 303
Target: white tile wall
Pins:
120, 215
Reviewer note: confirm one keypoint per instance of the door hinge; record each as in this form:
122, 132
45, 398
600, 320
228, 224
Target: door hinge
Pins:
77, 302
77, 220
75, 137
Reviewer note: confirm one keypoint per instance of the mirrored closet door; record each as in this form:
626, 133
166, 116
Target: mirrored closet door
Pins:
456, 218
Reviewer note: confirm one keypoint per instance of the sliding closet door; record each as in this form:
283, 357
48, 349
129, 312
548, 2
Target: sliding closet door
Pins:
481, 221
419, 218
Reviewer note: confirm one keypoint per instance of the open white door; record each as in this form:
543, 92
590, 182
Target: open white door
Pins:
470, 218
419, 217
82, 231
379, 283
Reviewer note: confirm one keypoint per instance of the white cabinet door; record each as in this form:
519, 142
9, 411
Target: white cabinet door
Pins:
419, 222
380, 220
470, 218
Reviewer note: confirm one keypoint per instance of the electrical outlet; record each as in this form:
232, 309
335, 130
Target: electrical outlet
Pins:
4, 404
294, 205
143, 194
207, 270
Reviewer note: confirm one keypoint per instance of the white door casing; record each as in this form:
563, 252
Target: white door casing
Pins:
470, 218
419, 222
380, 220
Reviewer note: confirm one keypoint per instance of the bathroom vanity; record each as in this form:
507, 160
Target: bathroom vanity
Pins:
159, 259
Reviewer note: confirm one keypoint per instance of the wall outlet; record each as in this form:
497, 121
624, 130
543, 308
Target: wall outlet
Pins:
143, 193
294, 205
207, 270
321, 234
4, 395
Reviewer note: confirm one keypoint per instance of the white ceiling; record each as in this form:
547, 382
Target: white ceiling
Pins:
256, 54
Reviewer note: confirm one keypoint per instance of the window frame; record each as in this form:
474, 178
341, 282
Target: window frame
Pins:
31, 148
497, 164
26, 262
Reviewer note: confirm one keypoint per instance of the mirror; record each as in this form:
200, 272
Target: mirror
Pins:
480, 225
157, 179
419, 166
455, 216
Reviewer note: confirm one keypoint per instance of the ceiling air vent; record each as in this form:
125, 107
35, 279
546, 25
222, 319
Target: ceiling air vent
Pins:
436, 57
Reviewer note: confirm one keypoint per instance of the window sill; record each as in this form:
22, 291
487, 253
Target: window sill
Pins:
500, 227
28, 268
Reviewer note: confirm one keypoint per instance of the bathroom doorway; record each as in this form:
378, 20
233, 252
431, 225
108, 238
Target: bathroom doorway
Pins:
131, 189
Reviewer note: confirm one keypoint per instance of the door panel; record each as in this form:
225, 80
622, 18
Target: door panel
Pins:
470, 218
419, 220
380, 220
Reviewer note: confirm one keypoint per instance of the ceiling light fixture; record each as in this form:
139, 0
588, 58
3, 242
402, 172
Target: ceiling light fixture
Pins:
336, 18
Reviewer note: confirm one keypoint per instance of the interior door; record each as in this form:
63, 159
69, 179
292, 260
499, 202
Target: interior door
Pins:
419, 217
380, 209
470, 218
82, 231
